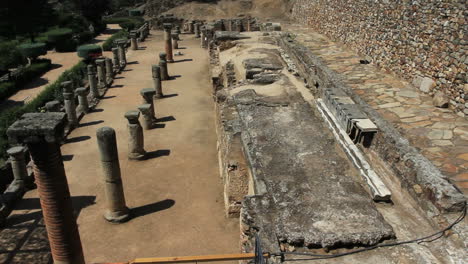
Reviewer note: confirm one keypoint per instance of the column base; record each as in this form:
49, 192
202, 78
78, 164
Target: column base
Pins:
137, 156
118, 217
158, 96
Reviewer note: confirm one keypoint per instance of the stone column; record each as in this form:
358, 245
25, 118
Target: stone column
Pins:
109, 71
163, 66
190, 27
148, 95
18, 165
238, 25
249, 21
82, 99
197, 30
202, 38
69, 102
53, 106
93, 82
122, 56
177, 29
229, 24
42, 133
167, 38
133, 41
117, 210
175, 40
101, 72
156, 70
115, 53
136, 142
146, 111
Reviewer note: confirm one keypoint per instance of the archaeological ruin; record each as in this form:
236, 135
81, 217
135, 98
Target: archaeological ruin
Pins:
237, 131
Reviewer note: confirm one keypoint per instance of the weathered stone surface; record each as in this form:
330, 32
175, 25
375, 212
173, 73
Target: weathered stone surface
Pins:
228, 35
427, 85
440, 100
304, 184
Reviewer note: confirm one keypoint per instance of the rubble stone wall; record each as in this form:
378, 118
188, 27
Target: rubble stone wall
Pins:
409, 38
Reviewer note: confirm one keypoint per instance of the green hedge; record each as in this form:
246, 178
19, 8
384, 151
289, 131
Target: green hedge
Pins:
61, 39
33, 50
89, 51
35, 70
128, 23
51, 92
134, 12
109, 43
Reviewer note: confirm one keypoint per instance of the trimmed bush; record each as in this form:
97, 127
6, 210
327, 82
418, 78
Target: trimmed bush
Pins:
85, 36
128, 23
61, 39
10, 56
109, 43
89, 51
134, 12
33, 50
7, 89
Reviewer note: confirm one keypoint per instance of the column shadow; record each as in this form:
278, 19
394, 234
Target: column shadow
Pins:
152, 208
157, 154
166, 119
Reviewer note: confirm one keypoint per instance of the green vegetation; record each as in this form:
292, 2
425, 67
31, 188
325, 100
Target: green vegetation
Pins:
134, 12
61, 39
27, 74
51, 92
109, 43
33, 50
127, 23
89, 51
10, 56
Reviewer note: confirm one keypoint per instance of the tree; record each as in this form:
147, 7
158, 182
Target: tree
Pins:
92, 9
28, 17
9, 55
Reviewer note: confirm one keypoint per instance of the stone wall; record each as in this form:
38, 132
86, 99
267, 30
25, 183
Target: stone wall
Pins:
413, 39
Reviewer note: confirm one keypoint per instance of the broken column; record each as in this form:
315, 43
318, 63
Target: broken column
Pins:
190, 27
117, 210
42, 133
82, 99
53, 106
93, 82
175, 40
69, 102
18, 166
136, 149
147, 112
202, 37
167, 38
133, 41
163, 66
115, 53
122, 57
148, 95
156, 71
109, 71
177, 30
101, 73
238, 24
249, 21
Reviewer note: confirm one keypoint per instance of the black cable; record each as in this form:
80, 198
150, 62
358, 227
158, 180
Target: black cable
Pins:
425, 239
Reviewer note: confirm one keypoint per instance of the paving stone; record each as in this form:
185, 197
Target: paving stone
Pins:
461, 177
408, 93
390, 105
37, 240
463, 156
442, 142
11, 237
32, 257
450, 168
415, 119
461, 131
447, 134
443, 125
421, 124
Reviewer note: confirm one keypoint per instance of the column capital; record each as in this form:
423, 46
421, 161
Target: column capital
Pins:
37, 127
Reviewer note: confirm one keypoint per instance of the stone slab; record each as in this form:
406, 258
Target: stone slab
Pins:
307, 188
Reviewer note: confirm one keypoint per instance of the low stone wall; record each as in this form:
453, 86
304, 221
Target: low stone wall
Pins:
411, 167
413, 39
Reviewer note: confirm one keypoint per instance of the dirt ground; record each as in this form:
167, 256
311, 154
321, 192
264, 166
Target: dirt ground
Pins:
176, 195
61, 61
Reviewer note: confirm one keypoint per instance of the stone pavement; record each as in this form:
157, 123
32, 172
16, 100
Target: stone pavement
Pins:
440, 134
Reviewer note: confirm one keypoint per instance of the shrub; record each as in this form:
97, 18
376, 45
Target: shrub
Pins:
85, 36
109, 43
89, 51
127, 23
7, 89
134, 12
10, 55
33, 50
62, 39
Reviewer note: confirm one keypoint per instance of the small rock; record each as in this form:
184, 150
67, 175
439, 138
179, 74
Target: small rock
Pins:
427, 85
417, 188
440, 100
